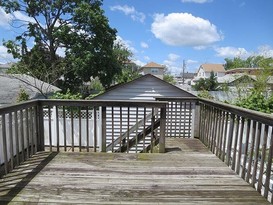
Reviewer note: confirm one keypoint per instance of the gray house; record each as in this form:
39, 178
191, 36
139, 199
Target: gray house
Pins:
147, 87
12, 84
154, 69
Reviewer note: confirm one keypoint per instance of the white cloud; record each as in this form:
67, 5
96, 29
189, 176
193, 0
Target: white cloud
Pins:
22, 17
5, 57
147, 58
5, 18
189, 61
231, 52
144, 45
139, 63
266, 51
130, 11
196, 1
184, 29
173, 57
128, 44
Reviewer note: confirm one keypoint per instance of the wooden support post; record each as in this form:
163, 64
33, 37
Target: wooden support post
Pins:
196, 121
103, 131
162, 130
40, 133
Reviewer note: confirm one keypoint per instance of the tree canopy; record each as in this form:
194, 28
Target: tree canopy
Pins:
208, 84
78, 29
250, 62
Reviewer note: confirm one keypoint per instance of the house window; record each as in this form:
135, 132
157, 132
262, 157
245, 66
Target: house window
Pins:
154, 70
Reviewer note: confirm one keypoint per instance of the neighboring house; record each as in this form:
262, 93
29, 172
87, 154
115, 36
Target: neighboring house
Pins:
5, 67
205, 70
270, 83
154, 69
249, 71
237, 80
12, 84
146, 87
184, 78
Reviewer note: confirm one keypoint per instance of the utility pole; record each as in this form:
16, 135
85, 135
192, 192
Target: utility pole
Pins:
183, 72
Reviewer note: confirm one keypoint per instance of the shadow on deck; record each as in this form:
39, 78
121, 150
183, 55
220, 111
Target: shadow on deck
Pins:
187, 174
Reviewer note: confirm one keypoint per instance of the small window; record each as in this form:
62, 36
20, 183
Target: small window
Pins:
154, 70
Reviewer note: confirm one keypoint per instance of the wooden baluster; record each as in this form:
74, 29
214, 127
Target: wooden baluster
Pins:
262, 164
16, 133
87, 129
11, 142
235, 143
251, 151
96, 130
5, 150
128, 128
144, 131
49, 127
103, 130
268, 168
57, 129
226, 117
230, 136
246, 148
80, 128
240, 146
22, 135
162, 130
64, 122
27, 133
72, 128
256, 156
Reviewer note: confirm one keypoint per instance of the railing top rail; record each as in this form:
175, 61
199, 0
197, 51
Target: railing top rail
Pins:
19, 106
188, 99
114, 103
246, 113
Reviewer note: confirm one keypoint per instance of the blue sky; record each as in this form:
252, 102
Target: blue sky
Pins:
197, 31
170, 31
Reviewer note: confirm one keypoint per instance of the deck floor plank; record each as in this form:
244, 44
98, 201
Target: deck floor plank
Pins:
187, 174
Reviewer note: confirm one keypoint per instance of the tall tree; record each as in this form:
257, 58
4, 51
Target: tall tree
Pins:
78, 27
250, 62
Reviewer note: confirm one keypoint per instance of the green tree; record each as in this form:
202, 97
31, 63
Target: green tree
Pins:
250, 62
22, 95
79, 27
169, 78
209, 84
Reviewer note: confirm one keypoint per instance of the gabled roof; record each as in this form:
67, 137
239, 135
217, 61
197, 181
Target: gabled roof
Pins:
11, 84
146, 87
152, 65
229, 78
213, 67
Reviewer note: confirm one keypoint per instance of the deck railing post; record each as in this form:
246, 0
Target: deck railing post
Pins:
40, 133
162, 129
196, 121
103, 131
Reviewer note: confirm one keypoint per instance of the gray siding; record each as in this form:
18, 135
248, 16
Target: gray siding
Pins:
146, 87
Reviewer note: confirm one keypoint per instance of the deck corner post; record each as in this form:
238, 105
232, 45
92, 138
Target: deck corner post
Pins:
196, 121
103, 131
40, 133
162, 129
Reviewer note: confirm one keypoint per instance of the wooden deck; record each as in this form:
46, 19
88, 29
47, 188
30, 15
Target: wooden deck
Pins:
187, 174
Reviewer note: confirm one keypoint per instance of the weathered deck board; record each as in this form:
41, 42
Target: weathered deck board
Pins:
187, 174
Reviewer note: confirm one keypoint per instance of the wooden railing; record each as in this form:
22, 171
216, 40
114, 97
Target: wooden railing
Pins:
19, 135
65, 125
242, 139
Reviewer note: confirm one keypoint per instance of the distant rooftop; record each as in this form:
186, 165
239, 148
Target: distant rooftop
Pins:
213, 67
